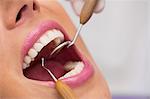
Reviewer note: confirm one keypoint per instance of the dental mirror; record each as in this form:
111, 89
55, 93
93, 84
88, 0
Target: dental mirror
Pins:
85, 15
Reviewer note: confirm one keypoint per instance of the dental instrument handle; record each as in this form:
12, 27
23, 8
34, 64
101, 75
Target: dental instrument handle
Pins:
87, 11
85, 15
64, 90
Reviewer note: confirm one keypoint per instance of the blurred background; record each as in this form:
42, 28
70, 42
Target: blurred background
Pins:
119, 40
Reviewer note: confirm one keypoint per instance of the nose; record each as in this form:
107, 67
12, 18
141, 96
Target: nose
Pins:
16, 12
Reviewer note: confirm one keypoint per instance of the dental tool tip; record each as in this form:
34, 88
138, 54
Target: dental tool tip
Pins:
63, 89
42, 62
51, 74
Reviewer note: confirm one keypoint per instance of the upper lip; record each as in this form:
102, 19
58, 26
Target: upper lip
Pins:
34, 35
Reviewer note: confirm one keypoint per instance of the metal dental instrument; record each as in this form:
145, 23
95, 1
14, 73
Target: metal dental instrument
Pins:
64, 90
43, 65
85, 15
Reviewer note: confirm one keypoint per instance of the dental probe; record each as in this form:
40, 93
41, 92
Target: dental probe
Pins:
64, 90
85, 15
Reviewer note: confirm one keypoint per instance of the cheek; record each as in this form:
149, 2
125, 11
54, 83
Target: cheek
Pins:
15, 39
50, 4
10, 48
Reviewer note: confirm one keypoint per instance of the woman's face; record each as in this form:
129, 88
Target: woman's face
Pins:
29, 30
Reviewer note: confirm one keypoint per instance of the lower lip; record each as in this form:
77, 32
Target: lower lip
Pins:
81, 78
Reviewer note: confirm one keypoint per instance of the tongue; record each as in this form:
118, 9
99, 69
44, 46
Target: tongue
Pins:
38, 73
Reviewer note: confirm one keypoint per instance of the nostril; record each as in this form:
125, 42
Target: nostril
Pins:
26, 11
19, 14
35, 6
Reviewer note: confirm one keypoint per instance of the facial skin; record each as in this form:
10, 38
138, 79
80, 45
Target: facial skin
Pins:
13, 84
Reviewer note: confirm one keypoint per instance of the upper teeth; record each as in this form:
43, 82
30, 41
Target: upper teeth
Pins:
75, 67
43, 41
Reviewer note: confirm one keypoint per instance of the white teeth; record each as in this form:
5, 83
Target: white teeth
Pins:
78, 67
70, 65
25, 66
27, 59
43, 41
38, 47
54, 34
32, 53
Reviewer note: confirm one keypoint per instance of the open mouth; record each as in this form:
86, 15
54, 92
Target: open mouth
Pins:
68, 65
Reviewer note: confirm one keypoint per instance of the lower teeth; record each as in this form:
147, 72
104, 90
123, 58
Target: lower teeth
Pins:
75, 67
